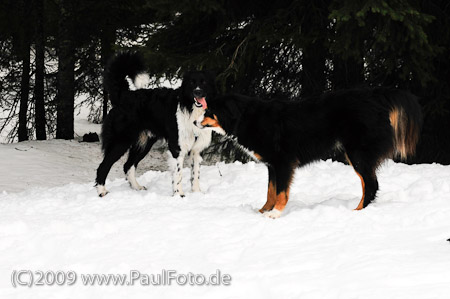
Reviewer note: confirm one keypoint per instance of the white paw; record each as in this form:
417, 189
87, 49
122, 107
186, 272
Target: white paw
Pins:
101, 190
274, 214
196, 188
137, 187
179, 193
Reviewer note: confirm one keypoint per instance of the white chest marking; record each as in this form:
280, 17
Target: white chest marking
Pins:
190, 137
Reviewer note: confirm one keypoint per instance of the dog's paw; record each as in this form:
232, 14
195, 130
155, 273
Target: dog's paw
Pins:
138, 187
196, 189
274, 214
195, 185
179, 193
101, 190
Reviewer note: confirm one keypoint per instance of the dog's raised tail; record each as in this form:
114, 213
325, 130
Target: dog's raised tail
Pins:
120, 66
406, 120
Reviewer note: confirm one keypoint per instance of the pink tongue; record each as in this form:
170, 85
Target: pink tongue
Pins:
203, 102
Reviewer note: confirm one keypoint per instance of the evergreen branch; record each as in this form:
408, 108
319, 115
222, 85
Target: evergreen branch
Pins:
233, 59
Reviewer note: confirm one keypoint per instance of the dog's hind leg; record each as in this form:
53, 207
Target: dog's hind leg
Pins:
365, 168
112, 154
271, 191
136, 154
144, 152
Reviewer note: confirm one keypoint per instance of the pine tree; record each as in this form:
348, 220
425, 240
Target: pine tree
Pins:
39, 101
66, 71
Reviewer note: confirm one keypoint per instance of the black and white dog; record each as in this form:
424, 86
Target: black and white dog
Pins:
140, 117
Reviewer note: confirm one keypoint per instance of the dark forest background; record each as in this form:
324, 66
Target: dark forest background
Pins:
52, 51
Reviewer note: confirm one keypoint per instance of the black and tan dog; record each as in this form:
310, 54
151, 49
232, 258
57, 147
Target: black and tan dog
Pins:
368, 125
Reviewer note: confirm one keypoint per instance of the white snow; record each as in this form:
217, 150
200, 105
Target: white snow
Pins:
58, 162
52, 219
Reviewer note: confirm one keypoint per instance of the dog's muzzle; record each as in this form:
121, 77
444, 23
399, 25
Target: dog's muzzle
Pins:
200, 98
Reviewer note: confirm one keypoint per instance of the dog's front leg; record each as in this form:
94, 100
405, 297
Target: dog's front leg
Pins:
202, 141
176, 165
271, 191
284, 174
196, 159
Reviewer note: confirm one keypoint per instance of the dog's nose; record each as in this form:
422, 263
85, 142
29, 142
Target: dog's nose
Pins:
198, 93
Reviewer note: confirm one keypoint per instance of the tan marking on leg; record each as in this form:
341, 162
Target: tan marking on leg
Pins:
283, 197
271, 197
280, 204
361, 203
281, 201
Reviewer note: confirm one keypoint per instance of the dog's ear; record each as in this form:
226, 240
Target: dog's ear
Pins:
211, 79
208, 113
186, 75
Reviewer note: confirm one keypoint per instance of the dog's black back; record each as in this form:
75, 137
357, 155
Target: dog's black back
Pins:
145, 109
368, 125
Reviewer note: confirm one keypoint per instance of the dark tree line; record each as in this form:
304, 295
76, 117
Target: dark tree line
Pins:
52, 51
56, 49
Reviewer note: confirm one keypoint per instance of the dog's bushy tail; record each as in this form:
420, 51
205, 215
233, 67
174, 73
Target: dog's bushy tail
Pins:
405, 116
120, 66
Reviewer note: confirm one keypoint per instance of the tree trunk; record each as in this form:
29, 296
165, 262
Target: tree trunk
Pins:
66, 73
40, 70
108, 40
25, 79
24, 93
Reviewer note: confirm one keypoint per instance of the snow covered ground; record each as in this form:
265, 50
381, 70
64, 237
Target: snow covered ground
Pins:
319, 248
